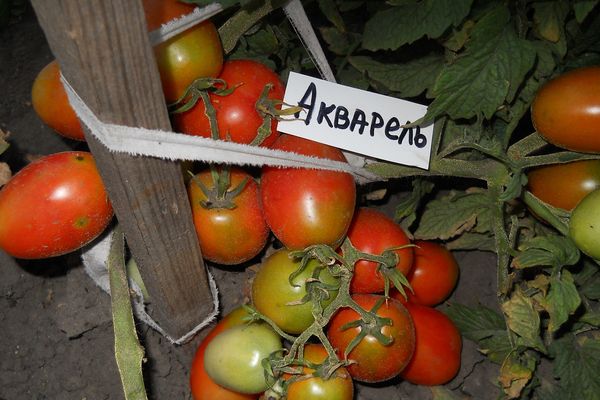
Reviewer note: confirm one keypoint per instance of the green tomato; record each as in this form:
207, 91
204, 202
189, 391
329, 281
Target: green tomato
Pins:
274, 296
584, 225
233, 359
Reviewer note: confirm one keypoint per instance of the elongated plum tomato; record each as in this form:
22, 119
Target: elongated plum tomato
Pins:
302, 206
53, 206
201, 385
338, 387
373, 232
566, 110
564, 185
278, 297
438, 347
233, 358
50, 102
236, 114
584, 224
229, 235
374, 360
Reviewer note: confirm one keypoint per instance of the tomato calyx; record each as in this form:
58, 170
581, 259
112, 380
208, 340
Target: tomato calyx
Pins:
270, 109
220, 195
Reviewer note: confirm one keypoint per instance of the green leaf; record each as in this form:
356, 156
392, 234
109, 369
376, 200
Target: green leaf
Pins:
584, 8
551, 250
561, 301
576, 365
408, 80
485, 327
549, 18
339, 42
397, 26
488, 74
523, 319
473, 241
591, 288
454, 214
515, 373
331, 12
406, 208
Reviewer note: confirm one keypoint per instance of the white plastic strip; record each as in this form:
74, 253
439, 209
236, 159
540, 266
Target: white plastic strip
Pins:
178, 25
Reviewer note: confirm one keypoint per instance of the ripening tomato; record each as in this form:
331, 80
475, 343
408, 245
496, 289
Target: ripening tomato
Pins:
375, 362
584, 224
302, 206
566, 110
438, 346
274, 295
50, 102
233, 358
237, 117
434, 274
228, 235
53, 206
201, 385
564, 185
338, 387
373, 232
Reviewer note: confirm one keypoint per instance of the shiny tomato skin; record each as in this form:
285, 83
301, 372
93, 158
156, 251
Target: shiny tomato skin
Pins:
438, 347
53, 206
575, 180
304, 207
272, 291
229, 236
434, 274
566, 112
375, 362
237, 118
371, 231
201, 385
338, 387
584, 224
50, 102
159, 12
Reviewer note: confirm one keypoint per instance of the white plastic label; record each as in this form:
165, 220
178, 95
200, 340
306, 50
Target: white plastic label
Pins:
357, 120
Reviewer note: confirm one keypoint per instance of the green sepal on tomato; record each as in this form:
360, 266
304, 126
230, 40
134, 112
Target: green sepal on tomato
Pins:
305, 207
373, 232
280, 290
372, 359
237, 117
565, 110
201, 385
53, 206
230, 226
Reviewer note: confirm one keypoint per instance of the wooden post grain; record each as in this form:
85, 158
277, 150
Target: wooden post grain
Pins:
103, 50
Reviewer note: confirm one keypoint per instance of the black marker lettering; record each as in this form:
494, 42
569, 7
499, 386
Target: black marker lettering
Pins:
311, 93
376, 122
324, 111
341, 118
392, 126
359, 118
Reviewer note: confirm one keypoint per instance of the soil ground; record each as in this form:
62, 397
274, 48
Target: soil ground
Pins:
56, 339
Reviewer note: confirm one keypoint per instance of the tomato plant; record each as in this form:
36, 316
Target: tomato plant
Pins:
374, 361
436, 359
230, 225
53, 206
306, 206
310, 387
434, 274
201, 385
373, 232
279, 292
564, 185
565, 110
237, 116
233, 358
50, 102
584, 224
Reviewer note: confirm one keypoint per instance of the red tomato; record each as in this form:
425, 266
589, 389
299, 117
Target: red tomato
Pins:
237, 117
338, 387
50, 102
438, 346
575, 180
304, 207
375, 362
229, 236
434, 274
566, 110
373, 232
202, 386
159, 12
53, 206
